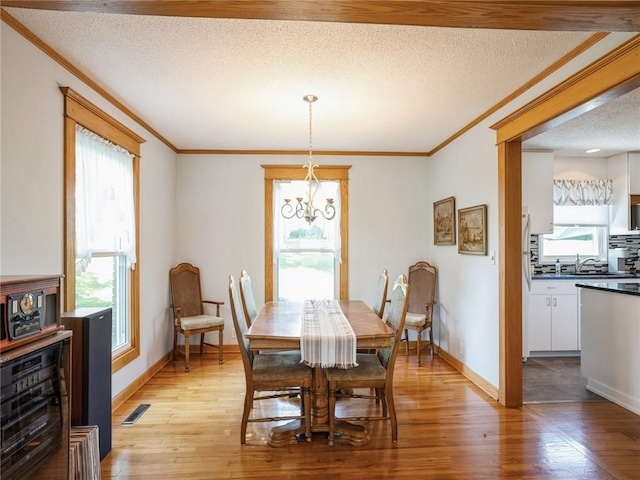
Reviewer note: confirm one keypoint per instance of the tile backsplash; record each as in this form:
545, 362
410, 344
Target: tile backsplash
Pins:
630, 243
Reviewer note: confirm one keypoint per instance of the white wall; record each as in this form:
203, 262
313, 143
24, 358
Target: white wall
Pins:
32, 189
221, 219
580, 168
467, 292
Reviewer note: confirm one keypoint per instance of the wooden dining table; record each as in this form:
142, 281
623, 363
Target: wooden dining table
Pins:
279, 326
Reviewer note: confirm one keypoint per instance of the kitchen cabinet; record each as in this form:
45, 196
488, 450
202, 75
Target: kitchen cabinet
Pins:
537, 189
624, 172
552, 319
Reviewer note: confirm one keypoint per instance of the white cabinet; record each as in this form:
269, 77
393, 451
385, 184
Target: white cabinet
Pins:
537, 189
624, 172
553, 316
634, 173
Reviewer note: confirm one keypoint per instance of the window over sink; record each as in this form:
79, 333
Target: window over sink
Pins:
577, 230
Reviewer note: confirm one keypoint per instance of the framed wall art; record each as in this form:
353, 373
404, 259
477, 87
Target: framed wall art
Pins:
444, 222
472, 230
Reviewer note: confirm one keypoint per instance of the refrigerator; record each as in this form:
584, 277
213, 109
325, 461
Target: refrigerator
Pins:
526, 279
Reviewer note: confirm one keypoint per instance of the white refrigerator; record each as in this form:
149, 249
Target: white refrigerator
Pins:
526, 279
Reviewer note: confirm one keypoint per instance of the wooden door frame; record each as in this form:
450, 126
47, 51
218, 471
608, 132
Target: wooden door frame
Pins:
605, 79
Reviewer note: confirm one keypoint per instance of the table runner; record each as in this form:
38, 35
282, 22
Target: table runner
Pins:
327, 339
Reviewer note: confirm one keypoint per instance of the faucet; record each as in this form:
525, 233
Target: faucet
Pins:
580, 264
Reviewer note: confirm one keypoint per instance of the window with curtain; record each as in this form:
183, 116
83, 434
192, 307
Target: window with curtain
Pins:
580, 220
306, 256
105, 229
102, 181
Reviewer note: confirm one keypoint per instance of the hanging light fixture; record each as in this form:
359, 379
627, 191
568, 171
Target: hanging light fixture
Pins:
304, 207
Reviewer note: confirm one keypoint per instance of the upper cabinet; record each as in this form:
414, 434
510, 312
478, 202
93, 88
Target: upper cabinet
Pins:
537, 189
624, 172
634, 173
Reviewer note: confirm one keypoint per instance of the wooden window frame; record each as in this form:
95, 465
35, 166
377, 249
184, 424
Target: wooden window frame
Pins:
79, 111
339, 173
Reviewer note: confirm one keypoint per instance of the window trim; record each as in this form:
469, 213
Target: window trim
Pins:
339, 173
78, 110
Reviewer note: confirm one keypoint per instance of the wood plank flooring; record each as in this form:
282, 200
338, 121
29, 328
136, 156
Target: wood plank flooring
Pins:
448, 429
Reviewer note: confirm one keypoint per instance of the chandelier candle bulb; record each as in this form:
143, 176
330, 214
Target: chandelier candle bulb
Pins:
304, 207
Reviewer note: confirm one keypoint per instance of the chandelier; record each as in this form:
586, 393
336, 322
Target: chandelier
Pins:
304, 207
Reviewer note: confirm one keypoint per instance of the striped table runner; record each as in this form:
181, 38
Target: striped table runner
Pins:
327, 338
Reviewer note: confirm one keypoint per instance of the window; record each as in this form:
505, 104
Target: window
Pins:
577, 230
307, 256
318, 253
101, 220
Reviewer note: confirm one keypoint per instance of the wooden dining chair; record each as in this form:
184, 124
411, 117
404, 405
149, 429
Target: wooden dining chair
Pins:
422, 277
278, 372
374, 371
248, 301
380, 299
189, 317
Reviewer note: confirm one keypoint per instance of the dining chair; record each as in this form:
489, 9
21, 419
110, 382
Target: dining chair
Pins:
380, 299
422, 277
248, 301
374, 371
189, 317
277, 373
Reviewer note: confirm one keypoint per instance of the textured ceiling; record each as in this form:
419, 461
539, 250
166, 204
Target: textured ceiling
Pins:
238, 84
613, 128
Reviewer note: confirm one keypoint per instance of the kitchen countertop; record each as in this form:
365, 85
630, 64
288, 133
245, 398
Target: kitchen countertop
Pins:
627, 288
584, 276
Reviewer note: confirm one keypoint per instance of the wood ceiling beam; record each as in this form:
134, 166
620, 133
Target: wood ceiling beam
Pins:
567, 15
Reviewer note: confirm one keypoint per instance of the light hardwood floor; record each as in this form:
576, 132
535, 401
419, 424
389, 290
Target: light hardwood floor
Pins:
448, 429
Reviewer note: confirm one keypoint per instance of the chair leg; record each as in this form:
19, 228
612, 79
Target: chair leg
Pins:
419, 347
175, 342
392, 413
201, 344
406, 339
220, 344
332, 413
248, 403
431, 340
306, 407
186, 352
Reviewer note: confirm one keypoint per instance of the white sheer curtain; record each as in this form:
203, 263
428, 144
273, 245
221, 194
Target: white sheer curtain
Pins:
105, 215
582, 192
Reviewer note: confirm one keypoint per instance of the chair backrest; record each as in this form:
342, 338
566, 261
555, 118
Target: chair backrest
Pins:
240, 325
186, 294
381, 293
248, 301
422, 278
394, 317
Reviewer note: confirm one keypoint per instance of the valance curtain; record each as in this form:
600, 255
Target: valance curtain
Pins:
105, 212
582, 192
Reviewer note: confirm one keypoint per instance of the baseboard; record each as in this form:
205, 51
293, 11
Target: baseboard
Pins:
134, 386
472, 376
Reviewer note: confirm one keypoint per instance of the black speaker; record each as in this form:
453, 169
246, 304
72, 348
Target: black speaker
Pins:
91, 370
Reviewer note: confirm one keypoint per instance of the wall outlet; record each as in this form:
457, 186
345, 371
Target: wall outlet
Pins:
233, 333
461, 348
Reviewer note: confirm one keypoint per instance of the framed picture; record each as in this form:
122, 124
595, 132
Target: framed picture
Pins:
444, 222
472, 230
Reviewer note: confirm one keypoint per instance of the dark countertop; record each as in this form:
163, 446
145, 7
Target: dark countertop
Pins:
627, 288
584, 276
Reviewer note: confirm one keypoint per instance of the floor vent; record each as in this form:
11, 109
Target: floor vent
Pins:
137, 413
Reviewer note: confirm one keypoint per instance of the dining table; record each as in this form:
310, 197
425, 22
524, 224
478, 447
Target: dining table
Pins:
278, 326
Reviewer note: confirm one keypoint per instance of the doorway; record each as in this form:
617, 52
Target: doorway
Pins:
611, 76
